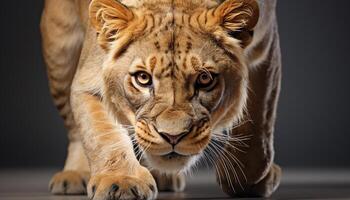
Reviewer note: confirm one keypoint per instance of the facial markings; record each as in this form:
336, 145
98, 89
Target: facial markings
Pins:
152, 63
156, 44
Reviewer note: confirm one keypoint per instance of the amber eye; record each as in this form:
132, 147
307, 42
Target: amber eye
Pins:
143, 79
205, 79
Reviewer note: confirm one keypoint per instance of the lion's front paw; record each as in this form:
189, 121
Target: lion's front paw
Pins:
69, 182
110, 186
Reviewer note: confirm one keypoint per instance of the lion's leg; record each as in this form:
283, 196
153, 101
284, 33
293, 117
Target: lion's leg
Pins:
115, 171
62, 37
256, 175
169, 182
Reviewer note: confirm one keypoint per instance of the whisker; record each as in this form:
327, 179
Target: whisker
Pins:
223, 164
234, 158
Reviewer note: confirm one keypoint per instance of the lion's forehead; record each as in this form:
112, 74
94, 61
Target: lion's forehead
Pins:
176, 46
173, 30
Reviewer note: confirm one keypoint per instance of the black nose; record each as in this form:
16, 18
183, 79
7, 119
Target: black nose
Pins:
173, 139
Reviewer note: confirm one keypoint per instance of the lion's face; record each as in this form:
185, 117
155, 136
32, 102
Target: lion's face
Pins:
181, 76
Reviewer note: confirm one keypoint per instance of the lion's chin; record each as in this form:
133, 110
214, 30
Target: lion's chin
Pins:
170, 163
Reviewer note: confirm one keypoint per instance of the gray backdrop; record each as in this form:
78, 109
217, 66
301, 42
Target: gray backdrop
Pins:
313, 124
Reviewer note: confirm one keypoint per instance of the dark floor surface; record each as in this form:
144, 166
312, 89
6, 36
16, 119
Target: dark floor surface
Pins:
296, 184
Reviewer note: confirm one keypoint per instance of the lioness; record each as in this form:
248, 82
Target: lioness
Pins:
147, 88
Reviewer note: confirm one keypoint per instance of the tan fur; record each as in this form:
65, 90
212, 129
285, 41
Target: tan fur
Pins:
93, 52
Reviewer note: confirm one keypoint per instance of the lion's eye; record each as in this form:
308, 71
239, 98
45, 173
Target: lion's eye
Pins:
205, 80
143, 79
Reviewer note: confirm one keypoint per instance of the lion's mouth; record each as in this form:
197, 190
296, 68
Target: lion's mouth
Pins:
173, 155
170, 162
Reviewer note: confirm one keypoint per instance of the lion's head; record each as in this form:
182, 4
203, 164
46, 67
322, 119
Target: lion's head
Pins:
175, 70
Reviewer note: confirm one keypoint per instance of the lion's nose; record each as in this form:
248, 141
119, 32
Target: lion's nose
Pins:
173, 139
173, 125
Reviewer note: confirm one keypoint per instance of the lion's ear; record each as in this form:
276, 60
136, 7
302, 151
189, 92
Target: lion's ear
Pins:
238, 18
109, 18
